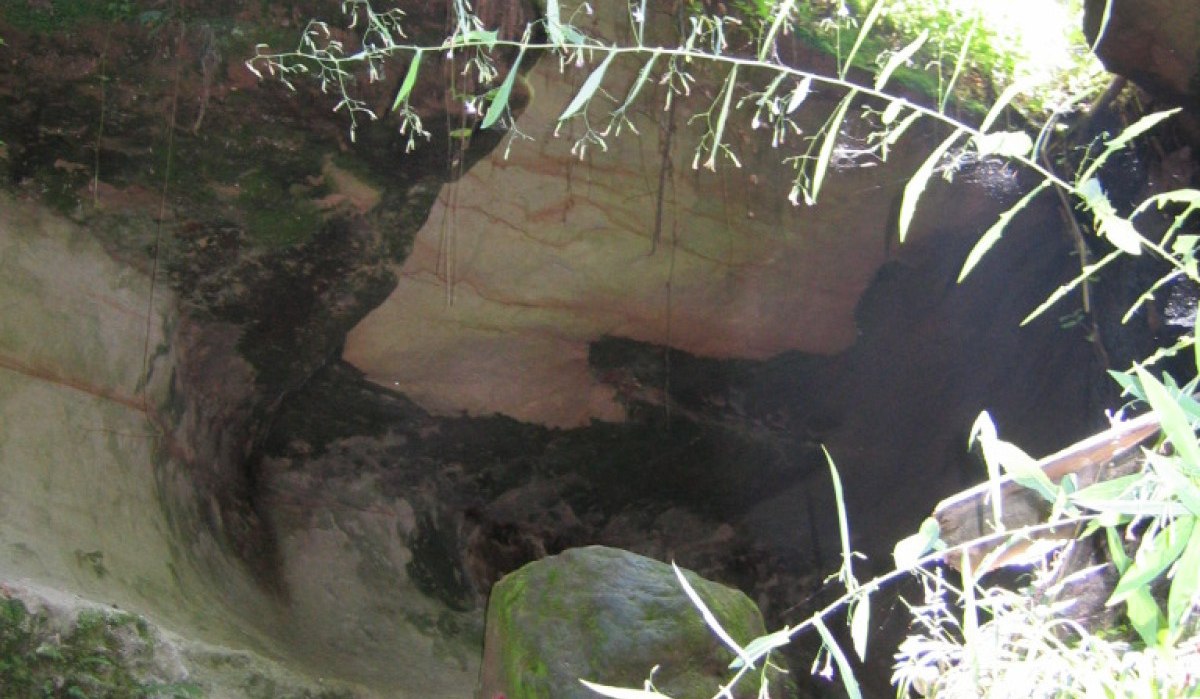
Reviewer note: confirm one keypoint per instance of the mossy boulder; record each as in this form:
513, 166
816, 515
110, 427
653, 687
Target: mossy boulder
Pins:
608, 616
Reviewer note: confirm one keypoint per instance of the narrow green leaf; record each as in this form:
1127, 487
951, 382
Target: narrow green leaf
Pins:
959, 62
1005, 144
1097, 494
860, 625
1148, 295
500, 101
588, 89
1001, 102
1174, 422
1121, 233
622, 692
867, 24
1143, 613
910, 549
833, 130
554, 22
1184, 586
719, 131
1170, 471
1157, 551
1190, 197
993, 234
894, 134
892, 111
410, 79
573, 35
1140, 127
1122, 139
844, 669
1067, 288
983, 432
900, 58
1024, 470
782, 10
1104, 19
643, 76
1019, 466
1116, 549
916, 185
799, 94
475, 37
762, 645
847, 572
709, 618
1196, 341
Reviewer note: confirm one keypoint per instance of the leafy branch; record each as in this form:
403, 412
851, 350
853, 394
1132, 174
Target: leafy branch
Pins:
1160, 504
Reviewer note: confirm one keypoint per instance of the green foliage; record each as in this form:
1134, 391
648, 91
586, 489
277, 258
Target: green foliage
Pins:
90, 660
970, 639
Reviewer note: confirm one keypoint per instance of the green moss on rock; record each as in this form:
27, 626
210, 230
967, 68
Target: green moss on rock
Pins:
609, 616
99, 655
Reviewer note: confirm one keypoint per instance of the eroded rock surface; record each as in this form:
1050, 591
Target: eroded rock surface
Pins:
535, 253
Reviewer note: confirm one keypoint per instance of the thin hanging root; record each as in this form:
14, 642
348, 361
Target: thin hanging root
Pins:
158, 224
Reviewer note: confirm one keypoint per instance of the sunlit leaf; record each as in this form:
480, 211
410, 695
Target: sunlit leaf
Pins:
1018, 465
1140, 127
1116, 550
500, 101
1121, 233
798, 94
1123, 139
916, 185
844, 670
588, 89
909, 551
643, 76
1157, 551
410, 79
622, 692
708, 616
1169, 472
1067, 288
959, 63
1105, 17
762, 645
996, 230
1098, 494
860, 625
1185, 585
1143, 613
722, 117
892, 111
900, 58
1174, 422
864, 30
554, 22
1001, 102
1005, 144
475, 37
1190, 197
847, 572
832, 132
